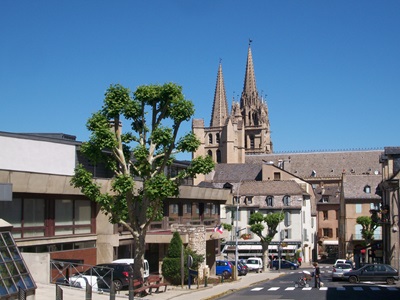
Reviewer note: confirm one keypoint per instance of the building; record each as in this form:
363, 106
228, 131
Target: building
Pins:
243, 137
48, 215
390, 211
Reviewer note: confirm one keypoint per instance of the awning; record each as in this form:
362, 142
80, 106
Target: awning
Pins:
330, 242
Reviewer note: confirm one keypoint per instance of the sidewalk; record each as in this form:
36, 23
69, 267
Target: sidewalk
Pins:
48, 291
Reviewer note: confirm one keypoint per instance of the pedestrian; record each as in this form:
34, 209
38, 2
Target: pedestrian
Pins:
317, 274
299, 260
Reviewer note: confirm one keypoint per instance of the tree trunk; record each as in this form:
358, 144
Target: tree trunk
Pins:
265, 245
139, 251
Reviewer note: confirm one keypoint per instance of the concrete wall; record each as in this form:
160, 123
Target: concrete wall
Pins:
38, 265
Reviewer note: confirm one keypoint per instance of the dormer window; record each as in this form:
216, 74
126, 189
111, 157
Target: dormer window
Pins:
367, 189
249, 200
325, 199
270, 201
286, 200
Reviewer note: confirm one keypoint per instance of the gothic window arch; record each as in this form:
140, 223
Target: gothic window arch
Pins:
210, 138
209, 152
251, 137
218, 156
217, 138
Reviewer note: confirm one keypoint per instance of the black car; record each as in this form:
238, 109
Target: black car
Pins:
120, 275
373, 272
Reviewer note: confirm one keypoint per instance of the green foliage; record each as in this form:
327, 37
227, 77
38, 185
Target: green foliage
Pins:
132, 135
227, 226
171, 267
368, 228
175, 246
257, 221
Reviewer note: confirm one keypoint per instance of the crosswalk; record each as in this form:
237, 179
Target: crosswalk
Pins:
339, 288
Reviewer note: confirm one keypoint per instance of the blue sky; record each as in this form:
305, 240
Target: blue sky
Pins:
330, 70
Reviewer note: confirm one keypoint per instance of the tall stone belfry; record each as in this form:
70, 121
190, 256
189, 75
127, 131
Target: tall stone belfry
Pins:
254, 112
245, 130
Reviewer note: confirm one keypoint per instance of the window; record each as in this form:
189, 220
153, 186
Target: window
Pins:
217, 140
325, 199
214, 209
325, 214
173, 208
236, 200
219, 159
270, 201
251, 141
210, 138
358, 208
288, 219
286, 200
374, 206
209, 153
188, 208
305, 235
327, 232
277, 176
249, 200
72, 217
367, 189
287, 234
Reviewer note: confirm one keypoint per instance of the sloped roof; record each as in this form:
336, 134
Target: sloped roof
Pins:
237, 172
354, 186
253, 188
325, 164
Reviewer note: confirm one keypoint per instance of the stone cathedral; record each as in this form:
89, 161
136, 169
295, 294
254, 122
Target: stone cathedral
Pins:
246, 130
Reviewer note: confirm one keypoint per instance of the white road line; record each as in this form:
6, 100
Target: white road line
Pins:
273, 289
290, 288
257, 289
392, 289
357, 288
325, 288
340, 289
307, 289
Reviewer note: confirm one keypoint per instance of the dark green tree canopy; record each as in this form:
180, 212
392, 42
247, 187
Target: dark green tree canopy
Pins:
136, 135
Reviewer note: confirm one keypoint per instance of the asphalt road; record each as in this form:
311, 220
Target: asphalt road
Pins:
284, 288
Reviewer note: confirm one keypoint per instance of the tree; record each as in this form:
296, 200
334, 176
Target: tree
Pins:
257, 221
145, 149
171, 267
368, 228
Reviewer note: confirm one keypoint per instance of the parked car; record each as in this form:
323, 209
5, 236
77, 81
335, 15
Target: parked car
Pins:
339, 269
373, 272
344, 261
254, 264
120, 275
285, 264
223, 268
242, 268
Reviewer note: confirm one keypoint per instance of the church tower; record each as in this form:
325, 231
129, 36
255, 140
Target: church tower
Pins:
244, 131
254, 112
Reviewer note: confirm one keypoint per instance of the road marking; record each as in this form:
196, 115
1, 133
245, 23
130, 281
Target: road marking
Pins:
307, 289
375, 288
290, 288
273, 289
340, 289
257, 289
325, 288
357, 288
392, 289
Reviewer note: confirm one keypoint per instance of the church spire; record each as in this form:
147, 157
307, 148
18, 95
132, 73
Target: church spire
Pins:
250, 93
220, 105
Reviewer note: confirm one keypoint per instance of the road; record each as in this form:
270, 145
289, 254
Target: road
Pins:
284, 288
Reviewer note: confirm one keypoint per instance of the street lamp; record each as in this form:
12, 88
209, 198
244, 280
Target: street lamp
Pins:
237, 228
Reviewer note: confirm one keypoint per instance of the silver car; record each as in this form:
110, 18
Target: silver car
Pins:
339, 269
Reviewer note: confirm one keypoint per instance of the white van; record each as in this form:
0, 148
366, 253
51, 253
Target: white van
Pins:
254, 264
130, 261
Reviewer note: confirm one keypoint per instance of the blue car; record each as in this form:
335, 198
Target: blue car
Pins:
223, 268
285, 264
